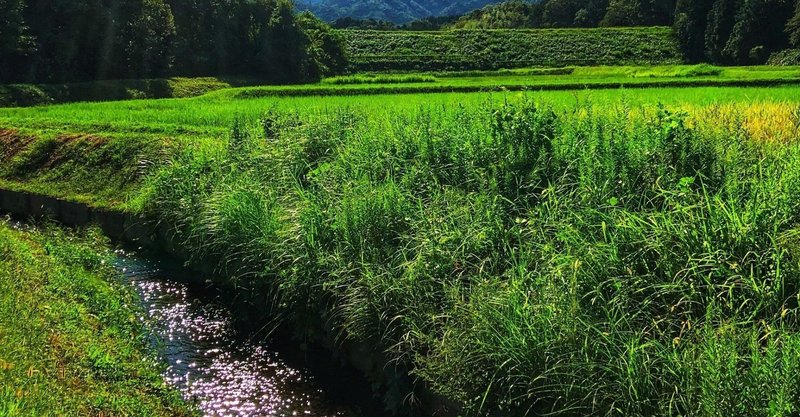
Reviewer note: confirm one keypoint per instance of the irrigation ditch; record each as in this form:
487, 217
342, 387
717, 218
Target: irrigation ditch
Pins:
356, 380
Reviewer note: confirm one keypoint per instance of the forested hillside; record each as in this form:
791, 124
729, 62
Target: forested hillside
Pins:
719, 31
67, 40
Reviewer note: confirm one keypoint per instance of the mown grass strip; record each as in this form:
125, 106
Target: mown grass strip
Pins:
70, 340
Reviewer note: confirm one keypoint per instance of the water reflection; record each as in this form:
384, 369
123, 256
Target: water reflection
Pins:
223, 374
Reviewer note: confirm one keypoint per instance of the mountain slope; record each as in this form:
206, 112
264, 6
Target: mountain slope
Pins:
397, 11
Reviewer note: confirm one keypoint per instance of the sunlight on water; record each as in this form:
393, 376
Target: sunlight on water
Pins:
224, 374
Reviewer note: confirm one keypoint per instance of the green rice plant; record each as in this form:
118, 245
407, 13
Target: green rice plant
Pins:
525, 72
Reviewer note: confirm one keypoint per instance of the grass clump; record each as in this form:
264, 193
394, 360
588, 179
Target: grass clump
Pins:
70, 342
507, 72
517, 258
379, 79
699, 70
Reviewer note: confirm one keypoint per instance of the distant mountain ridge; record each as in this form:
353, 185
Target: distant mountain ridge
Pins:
396, 11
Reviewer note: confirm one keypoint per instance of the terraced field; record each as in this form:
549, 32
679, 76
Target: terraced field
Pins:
493, 49
531, 79
580, 251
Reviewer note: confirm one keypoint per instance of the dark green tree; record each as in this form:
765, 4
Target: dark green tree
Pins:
793, 27
70, 39
325, 47
721, 20
562, 13
16, 44
639, 13
144, 42
98, 39
592, 14
283, 55
691, 20
205, 41
758, 31
507, 15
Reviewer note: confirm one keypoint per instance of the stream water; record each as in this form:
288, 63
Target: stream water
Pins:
223, 372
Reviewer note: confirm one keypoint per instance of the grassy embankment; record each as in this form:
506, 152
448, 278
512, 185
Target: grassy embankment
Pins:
20, 95
494, 49
70, 342
589, 258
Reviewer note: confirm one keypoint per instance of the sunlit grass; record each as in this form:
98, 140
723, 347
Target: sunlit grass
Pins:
70, 342
212, 115
521, 259
573, 253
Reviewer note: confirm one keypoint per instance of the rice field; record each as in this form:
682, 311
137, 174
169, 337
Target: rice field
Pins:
212, 115
381, 83
589, 252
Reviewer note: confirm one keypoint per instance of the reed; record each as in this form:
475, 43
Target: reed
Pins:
519, 258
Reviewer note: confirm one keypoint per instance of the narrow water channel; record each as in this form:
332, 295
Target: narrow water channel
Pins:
221, 371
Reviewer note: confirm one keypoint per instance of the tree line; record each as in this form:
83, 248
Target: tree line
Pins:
68, 40
718, 31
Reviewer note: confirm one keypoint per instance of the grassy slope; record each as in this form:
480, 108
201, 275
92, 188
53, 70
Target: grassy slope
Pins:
98, 170
492, 49
70, 343
19, 95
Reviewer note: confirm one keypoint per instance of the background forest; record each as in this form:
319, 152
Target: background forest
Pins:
67, 40
731, 32
717, 31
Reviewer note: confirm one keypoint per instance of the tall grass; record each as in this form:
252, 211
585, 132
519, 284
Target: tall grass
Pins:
379, 79
517, 258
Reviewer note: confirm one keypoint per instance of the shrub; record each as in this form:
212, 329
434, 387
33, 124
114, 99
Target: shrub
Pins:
786, 57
